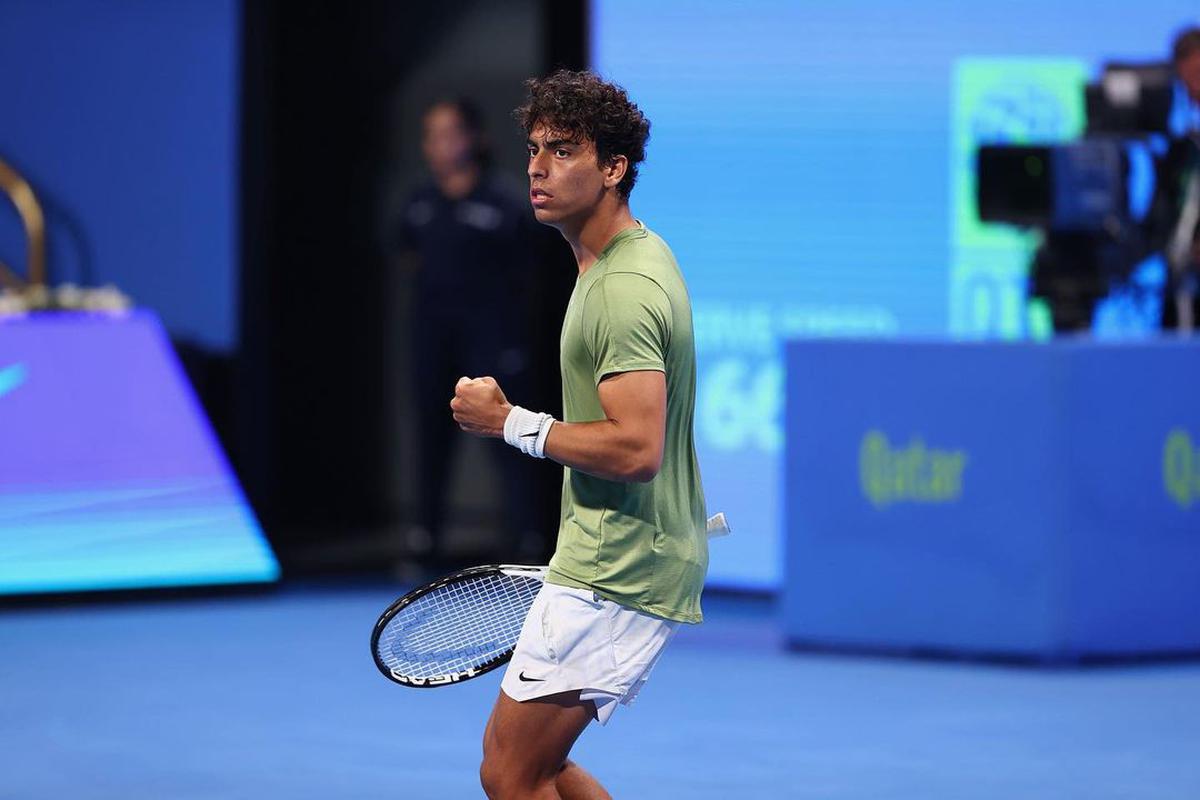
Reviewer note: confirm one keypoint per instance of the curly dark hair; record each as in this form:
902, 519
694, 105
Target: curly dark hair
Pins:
584, 106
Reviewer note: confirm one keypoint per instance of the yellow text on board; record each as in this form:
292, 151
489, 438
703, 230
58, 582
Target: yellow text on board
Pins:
913, 473
1181, 468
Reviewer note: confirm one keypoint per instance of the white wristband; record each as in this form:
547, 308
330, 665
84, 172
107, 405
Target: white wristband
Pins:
527, 431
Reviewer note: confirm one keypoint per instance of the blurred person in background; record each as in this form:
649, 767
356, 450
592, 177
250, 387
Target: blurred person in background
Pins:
1181, 306
470, 235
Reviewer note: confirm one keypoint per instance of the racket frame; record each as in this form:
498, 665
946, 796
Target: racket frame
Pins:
399, 605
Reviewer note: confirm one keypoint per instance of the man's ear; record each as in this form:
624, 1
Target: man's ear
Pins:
614, 171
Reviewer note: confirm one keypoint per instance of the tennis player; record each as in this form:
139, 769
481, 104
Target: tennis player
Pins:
632, 552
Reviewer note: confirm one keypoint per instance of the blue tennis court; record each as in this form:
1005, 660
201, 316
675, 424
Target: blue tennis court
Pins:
275, 695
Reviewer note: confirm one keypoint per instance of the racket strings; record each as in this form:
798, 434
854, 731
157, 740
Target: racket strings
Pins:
464, 625
459, 626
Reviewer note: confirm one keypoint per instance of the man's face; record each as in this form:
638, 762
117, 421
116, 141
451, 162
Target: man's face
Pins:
1188, 68
566, 182
445, 141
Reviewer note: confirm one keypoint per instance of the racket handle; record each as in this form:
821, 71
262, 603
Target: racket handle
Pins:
717, 525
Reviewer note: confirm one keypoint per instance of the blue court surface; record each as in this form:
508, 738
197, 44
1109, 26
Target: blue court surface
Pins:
276, 695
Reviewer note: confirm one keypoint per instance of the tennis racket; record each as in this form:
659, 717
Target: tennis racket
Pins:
463, 625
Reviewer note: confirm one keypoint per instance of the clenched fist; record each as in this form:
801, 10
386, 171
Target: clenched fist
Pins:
480, 407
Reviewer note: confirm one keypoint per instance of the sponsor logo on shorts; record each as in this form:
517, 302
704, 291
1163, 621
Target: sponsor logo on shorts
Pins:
522, 677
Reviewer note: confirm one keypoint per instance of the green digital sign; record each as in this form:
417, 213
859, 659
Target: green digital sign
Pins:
1002, 101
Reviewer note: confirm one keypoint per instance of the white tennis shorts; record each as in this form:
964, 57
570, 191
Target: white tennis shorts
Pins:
576, 640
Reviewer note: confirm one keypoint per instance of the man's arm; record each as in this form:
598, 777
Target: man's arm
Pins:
628, 444
625, 446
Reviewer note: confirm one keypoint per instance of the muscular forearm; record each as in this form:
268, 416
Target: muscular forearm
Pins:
605, 449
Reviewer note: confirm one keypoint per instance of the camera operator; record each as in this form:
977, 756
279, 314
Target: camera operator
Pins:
1181, 306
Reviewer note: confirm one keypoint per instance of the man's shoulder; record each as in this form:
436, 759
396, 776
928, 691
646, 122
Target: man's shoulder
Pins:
627, 284
647, 255
635, 250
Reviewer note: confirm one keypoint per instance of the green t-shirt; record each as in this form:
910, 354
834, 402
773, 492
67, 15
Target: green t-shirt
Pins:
642, 545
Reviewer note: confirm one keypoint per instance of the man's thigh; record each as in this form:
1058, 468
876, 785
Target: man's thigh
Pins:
530, 741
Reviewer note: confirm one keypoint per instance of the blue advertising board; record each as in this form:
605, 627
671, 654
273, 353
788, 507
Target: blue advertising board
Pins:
1039, 500
110, 476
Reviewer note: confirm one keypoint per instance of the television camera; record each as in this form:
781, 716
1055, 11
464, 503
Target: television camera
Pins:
1104, 203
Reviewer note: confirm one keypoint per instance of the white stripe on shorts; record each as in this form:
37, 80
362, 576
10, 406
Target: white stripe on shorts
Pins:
576, 640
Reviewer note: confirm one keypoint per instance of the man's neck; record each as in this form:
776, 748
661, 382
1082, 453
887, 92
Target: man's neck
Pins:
590, 238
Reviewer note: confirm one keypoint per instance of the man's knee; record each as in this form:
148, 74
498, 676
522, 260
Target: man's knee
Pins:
524, 748
500, 777
490, 773
508, 782
491, 778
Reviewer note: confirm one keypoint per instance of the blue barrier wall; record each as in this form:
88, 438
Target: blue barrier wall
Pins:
1039, 500
123, 117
